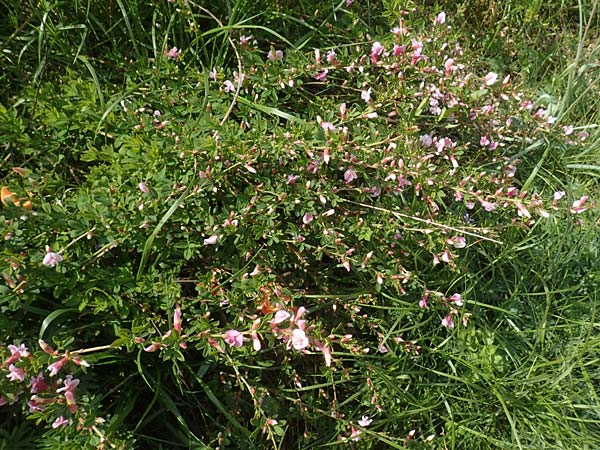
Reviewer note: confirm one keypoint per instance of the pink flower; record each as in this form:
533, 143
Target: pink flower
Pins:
447, 321
142, 187
275, 55
16, 353
327, 127
426, 140
457, 242
177, 319
331, 57
343, 109
377, 50
440, 18
449, 65
55, 367
398, 49
255, 340
59, 422
51, 259
234, 338
456, 299
366, 95
299, 339
174, 53
211, 240
229, 87
280, 317
490, 78
365, 421
326, 350
322, 76
307, 218
423, 301
245, 40
70, 384
578, 205
15, 373
38, 384
522, 211
488, 206
350, 175
34, 405
152, 347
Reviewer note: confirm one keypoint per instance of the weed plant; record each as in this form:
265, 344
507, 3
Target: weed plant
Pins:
259, 225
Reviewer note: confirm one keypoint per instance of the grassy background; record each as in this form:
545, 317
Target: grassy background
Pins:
524, 374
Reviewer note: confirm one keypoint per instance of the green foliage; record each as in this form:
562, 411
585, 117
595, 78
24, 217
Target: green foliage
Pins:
250, 226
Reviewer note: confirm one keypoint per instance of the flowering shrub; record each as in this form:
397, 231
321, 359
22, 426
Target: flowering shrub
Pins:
270, 245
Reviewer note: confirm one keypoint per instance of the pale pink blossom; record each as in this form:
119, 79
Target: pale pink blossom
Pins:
229, 86
326, 350
143, 187
350, 175
299, 339
174, 53
366, 95
78, 361
426, 140
275, 55
152, 347
38, 384
365, 421
280, 317
70, 384
377, 50
212, 240
423, 302
15, 373
568, 130
327, 127
557, 196
322, 75
456, 299
579, 205
457, 242
307, 218
177, 319
449, 65
488, 206
490, 78
59, 422
397, 50
447, 321
245, 40
16, 353
35, 405
331, 57
51, 259
440, 18
400, 31
343, 110
234, 338
55, 367
522, 211
255, 339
